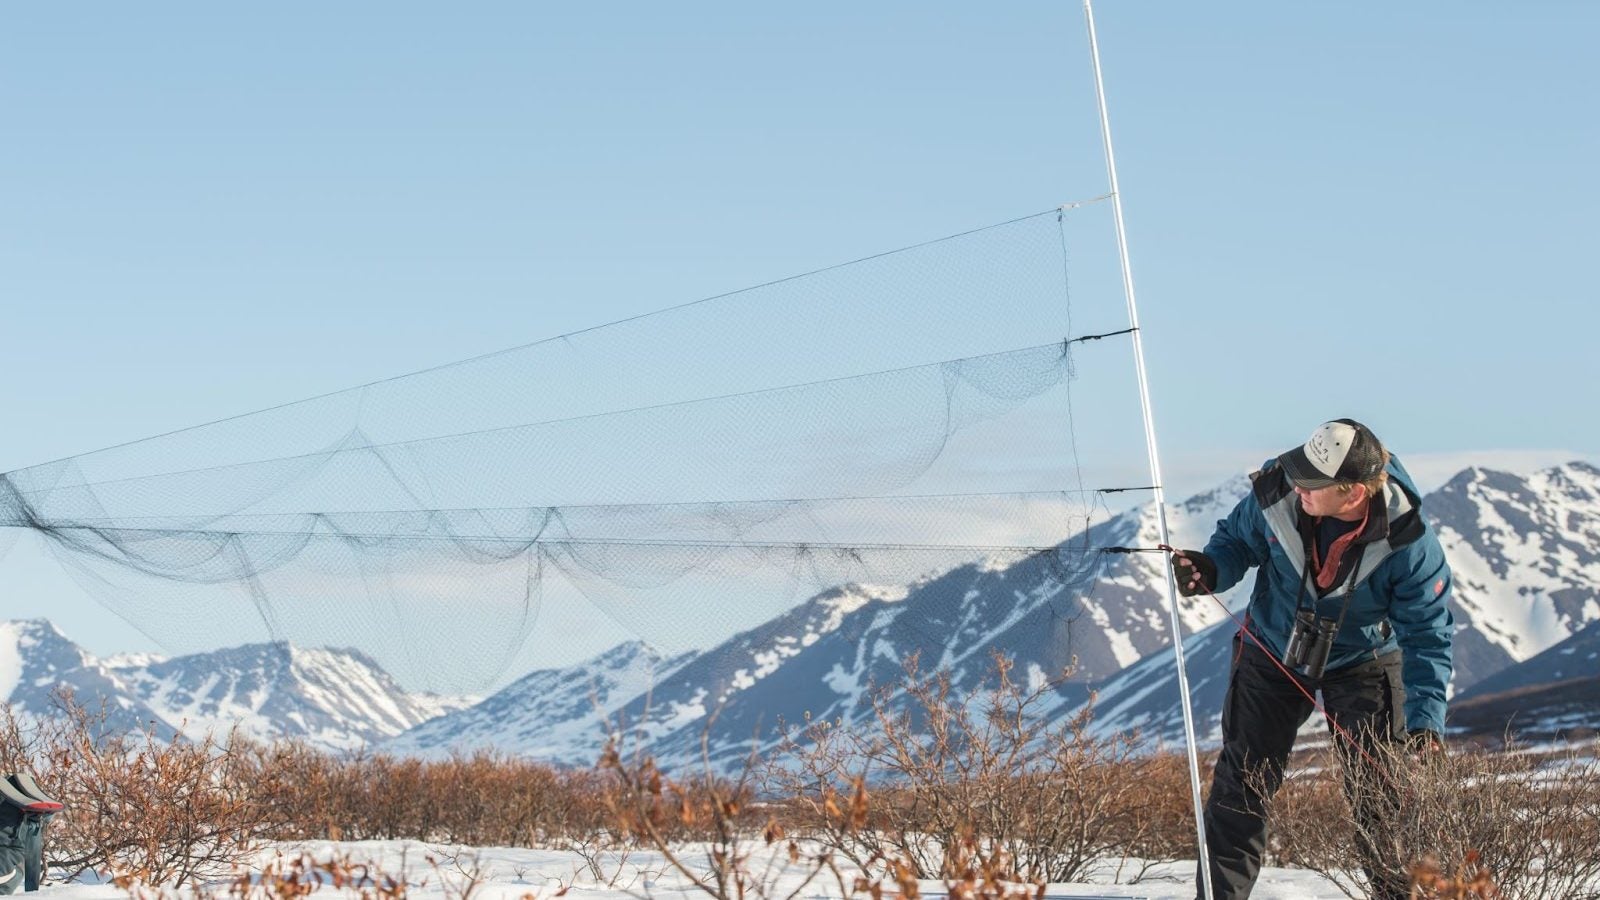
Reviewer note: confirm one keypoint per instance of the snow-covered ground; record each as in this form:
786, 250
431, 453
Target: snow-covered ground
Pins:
504, 873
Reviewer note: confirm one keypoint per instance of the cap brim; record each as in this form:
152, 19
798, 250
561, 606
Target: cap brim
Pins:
1302, 472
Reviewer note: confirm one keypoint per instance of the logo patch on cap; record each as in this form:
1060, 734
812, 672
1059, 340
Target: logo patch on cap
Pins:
1328, 447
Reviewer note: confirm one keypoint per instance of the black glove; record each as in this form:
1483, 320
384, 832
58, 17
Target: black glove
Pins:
1195, 571
1424, 741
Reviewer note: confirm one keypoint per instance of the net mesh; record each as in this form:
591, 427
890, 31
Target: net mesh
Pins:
676, 476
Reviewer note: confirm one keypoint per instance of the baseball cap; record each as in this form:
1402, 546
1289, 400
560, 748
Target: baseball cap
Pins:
1342, 451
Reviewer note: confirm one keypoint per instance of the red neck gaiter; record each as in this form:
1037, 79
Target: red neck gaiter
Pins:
1328, 570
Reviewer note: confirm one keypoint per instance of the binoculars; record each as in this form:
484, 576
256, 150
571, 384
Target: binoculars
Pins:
1310, 643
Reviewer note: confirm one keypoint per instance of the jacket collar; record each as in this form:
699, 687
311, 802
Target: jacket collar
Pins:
1398, 523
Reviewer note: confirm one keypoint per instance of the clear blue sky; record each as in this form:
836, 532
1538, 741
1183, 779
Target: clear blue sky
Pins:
1385, 211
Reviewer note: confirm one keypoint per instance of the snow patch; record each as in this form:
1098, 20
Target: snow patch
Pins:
844, 683
10, 658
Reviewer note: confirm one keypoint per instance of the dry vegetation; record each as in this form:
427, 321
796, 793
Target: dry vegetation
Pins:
979, 790
984, 767
1519, 826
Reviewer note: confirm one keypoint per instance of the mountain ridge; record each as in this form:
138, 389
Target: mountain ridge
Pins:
336, 700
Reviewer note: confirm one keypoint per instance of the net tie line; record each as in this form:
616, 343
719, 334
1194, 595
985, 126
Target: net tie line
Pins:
1095, 337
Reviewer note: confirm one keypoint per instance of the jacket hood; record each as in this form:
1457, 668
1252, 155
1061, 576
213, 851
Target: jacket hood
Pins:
1405, 525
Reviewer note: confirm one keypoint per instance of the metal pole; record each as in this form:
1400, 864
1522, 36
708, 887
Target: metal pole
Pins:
1155, 460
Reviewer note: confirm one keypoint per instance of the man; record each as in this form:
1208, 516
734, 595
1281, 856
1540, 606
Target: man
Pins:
1343, 556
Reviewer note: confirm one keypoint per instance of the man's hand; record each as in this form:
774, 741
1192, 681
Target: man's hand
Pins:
1424, 742
1195, 572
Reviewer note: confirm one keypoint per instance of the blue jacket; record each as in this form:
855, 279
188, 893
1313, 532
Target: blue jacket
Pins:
1402, 584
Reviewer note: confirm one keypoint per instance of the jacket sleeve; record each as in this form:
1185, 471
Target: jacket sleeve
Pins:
1239, 543
1419, 611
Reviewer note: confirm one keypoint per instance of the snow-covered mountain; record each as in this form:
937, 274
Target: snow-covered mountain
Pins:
824, 658
557, 715
1109, 614
38, 664
332, 699
1576, 657
1525, 551
1555, 693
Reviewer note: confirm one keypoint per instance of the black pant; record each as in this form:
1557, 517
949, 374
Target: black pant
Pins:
1260, 716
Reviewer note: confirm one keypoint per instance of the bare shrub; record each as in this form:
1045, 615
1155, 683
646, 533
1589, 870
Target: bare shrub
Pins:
306, 794
160, 810
285, 878
752, 856
461, 874
481, 798
980, 789
487, 798
1470, 821
664, 814
22, 744
1050, 799
154, 809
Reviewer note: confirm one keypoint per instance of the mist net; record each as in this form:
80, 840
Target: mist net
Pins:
676, 476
